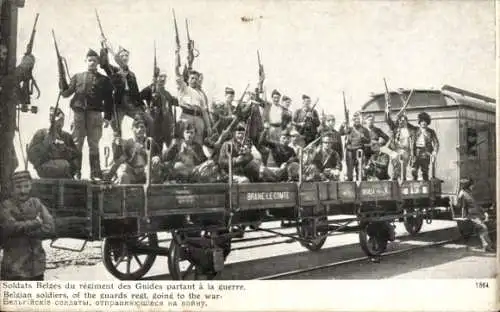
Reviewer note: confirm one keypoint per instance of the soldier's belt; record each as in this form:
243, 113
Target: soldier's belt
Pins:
193, 112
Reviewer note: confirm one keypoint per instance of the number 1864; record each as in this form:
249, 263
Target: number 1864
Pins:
482, 285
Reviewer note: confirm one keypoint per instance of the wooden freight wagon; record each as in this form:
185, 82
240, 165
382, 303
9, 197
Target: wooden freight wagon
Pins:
465, 125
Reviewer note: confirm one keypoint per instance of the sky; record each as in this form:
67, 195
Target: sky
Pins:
319, 48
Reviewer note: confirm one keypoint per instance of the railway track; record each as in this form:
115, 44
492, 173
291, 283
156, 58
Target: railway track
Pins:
299, 272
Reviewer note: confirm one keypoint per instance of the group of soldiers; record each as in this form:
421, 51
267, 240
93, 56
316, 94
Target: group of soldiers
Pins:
263, 140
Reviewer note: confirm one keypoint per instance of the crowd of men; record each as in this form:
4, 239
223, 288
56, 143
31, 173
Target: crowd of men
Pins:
262, 139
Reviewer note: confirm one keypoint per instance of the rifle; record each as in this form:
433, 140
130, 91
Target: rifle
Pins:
191, 50
387, 97
346, 111
178, 47
104, 42
62, 67
29, 82
405, 104
156, 74
261, 74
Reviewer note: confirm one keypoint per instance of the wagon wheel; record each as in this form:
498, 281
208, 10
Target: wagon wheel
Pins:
372, 240
123, 253
179, 265
413, 225
314, 240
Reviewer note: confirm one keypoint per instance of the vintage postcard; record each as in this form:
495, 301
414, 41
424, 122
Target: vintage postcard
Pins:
160, 155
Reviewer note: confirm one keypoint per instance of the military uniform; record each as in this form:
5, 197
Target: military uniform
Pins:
403, 135
223, 112
378, 166
309, 124
425, 144
244, 167
282, 154
126, 91
163, 125
24, 224
376, 134
193, 104
336, 137
357, 137
181, 158
93, 94
328, 164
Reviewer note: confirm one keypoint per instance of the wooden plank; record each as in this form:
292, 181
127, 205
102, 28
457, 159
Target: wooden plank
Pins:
375, 190
346, 191
414, 189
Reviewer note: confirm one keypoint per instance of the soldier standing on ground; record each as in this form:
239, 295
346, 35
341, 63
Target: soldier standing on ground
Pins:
25, 222
54, 154
93, 94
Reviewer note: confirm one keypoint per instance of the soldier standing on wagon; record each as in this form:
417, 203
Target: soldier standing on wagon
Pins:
25, 222
161, 104
474, 213
223, 112
357, 137
375, 134
307, 120
425, 146
286, 115
403, 135
54, 153
126, 91
93, 94
377, 167
273, 117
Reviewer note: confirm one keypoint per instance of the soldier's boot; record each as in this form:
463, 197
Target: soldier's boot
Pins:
95, 167
78, 167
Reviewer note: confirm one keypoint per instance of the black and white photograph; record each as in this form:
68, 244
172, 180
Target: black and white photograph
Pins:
158, 140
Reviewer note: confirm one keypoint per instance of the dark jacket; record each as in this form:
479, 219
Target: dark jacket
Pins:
40, 150
281, 153
92, 91
323, 161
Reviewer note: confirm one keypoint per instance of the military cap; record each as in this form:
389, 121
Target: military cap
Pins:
240, 127
229, 90
122, 50
21, 176
275, 92
58, 114
92, 53
465, 182
327, 134
305, 97
423, 116
369, 115
286, 98
194, 72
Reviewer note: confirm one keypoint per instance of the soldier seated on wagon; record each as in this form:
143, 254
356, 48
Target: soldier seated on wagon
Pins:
245, 168
378, 163
132, 158
53, 152
183, 156
325, 162
282, 153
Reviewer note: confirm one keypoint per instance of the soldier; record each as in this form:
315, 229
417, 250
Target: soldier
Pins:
274, 116
282, 153
127, 98
244, 167
375, 134
357, 137
425, 146
286, 115
223, 112
93, 94
329, 127
296, 141
161, 105
307, 120
133, 158
475, 213
194, 106
377, 167
326, 160
53, 153
403, 135
181, 158
25, 222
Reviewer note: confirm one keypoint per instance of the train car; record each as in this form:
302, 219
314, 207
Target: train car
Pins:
465, 125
